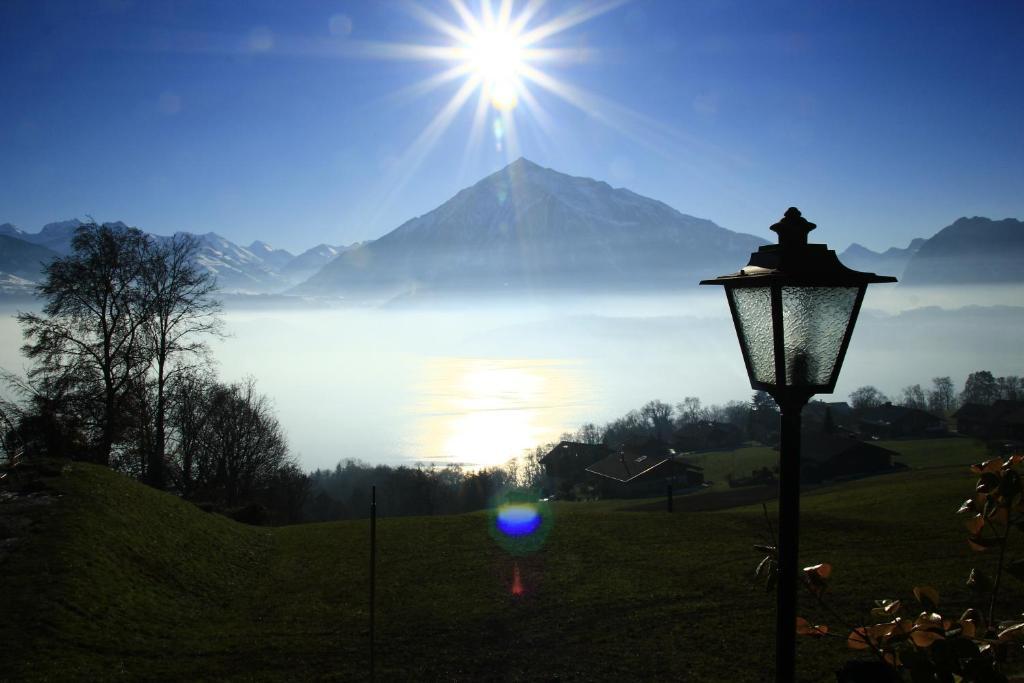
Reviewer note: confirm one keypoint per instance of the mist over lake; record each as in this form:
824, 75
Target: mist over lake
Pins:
477, 382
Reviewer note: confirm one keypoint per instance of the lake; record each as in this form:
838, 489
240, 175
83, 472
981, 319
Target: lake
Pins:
478, 383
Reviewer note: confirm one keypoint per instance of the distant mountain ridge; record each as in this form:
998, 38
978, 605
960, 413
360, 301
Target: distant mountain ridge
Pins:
971, 250
892, 261
526, 227
258, 269
531, 228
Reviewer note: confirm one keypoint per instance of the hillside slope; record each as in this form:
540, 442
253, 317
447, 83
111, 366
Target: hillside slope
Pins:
111, 580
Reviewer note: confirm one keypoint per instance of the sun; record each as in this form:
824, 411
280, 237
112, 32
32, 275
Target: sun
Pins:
498, 58
497, 55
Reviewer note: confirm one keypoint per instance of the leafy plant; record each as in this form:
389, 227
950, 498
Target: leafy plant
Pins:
919, 641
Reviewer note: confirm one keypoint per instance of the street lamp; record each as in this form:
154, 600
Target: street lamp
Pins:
794, 306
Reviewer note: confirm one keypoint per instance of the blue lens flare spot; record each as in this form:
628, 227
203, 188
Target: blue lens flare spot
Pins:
518, 519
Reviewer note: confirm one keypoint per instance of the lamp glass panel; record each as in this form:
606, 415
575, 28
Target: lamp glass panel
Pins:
754, 320
814, 323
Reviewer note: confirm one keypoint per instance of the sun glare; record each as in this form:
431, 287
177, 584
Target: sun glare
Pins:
497, 55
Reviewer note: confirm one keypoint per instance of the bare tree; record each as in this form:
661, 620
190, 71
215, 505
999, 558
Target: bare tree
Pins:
980, 387
182, 313
942, 397
587, 433
241, 445
188, 417
691, 410
89, 339
658, 415
913, 397
866, 397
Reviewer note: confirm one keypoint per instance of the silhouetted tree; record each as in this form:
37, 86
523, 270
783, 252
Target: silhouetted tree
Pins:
1010, 388
658, 416
866, 397
913, 397
228, 443
629, 426
942, 397
763, 418
690, 411
980, 387
188, 417
587, 433
89, 342
182, 311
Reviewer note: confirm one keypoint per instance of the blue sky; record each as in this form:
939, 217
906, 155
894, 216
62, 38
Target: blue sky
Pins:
882, 121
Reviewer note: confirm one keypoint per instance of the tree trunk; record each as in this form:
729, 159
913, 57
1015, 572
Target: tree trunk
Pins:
156, 454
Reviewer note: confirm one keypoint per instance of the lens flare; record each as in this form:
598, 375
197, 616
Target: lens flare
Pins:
518, 520
517, 582
520, 523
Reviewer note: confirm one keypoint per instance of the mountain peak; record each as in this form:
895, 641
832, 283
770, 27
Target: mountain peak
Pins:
528, 227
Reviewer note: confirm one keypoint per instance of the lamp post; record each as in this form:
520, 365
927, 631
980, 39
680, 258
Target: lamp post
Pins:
794, 306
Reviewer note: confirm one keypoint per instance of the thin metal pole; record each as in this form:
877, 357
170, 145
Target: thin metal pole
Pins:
669, 497
373, 571
789, 536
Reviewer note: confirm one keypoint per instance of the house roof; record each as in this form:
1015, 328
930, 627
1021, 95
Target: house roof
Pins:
705, 427
1000, 410
626, 467
839, 409
824, 447
973, 411
584, 452
889, 413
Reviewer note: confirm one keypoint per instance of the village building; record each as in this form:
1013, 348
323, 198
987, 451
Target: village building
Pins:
707, 435
566, 463
828, 456
889, 421
630, 474
1004, 419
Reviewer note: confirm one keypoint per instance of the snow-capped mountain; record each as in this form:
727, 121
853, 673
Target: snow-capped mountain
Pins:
236, 268
527, 227
275, 258
310, 261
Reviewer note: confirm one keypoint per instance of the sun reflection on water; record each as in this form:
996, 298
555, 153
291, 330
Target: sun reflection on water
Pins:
480, 412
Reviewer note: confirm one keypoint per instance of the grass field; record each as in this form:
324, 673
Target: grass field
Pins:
112, 580
914, 453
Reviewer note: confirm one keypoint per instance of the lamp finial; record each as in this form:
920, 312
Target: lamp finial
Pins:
793, 228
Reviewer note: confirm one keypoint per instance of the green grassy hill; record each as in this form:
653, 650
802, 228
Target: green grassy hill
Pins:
111, 580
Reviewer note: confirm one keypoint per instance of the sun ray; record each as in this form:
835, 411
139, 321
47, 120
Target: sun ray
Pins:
471, 22
431, 19
579, 15
369, 49
473, 142
504, 12
525, 14
420, 88
538, 113
413, 157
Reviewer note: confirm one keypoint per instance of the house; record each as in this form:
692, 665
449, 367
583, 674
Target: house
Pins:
899, 422
828, 456
1004, 419
819, 412
567, 462
707, 435
628, 474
